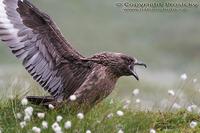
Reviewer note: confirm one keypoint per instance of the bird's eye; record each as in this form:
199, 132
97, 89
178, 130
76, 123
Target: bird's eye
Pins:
131, 67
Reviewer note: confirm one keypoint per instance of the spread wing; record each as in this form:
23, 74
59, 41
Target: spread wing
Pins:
35, 39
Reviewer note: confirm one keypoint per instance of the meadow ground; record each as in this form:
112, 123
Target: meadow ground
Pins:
104, 118
128, 110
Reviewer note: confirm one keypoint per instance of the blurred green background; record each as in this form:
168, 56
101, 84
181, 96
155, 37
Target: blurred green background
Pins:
169, 43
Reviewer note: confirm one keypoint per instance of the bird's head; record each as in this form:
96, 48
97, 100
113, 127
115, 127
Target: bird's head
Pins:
119, 64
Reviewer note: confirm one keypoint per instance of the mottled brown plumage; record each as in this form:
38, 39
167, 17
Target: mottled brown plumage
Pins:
36, 40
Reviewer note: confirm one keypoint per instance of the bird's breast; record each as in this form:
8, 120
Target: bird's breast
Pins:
98, 86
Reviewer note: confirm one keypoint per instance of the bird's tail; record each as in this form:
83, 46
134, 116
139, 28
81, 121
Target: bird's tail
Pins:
40, 100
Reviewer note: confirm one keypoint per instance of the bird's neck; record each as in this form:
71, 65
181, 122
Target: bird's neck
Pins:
113, 76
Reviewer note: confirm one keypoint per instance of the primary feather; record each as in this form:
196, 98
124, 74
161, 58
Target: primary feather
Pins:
35, 39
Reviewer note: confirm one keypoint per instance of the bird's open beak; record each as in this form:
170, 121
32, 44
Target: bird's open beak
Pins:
133, 70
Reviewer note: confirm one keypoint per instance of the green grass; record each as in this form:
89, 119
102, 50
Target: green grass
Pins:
135, 119
96, 120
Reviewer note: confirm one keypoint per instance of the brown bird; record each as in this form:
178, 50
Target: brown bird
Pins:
35, 39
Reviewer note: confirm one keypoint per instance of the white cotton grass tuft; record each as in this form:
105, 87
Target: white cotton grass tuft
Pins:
28, 111
11, 97
193, 124
80, 116
184, 76
152, 131
171, 93
59, 118
24, 102
194, 80
36, 130
44, 124
56, 128
109, 116
51, 106
176, 106
136, 92
120, 113
189, 109
27, 118
22, 124
72, 97
120, 131
127, 102
126, 105
192, 108
88, 131
41, 115
138, 101
68, 124
19, 115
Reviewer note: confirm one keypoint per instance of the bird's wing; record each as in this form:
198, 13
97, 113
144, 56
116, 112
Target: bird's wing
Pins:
35, 39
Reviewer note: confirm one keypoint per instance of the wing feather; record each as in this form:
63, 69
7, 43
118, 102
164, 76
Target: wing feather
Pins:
35, 39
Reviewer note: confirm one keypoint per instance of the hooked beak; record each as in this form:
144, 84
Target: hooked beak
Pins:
133, 70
